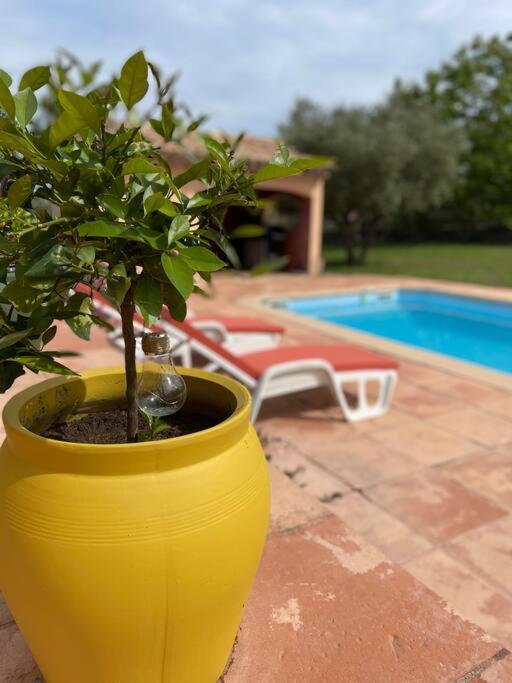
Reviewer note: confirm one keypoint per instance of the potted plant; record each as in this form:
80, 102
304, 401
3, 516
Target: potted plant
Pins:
129, 561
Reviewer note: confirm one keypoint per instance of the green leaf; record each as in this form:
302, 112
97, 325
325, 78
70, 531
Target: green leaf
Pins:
49, 334
118, 282
168, 208
160, 426
282, 156
55, 262
198, 200
26, 106
180, 226
63, 128
4, 76
157, 126
176, 304
113, 204
215, 148
148, 298
23, 297
312, 162
9, 371
35, 78
193, 173
13, 338
7, 100
81, 323
8, 167
281, 166
153, 202
43, 363
179, 274
202, 259
19, 191
156, 240
139, 165
168, 122
58, 168
15, 143
133, 83
102, 229
86, 254
80, 108
273, 171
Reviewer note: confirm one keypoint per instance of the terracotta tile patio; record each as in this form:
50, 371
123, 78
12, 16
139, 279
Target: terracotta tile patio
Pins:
428, 488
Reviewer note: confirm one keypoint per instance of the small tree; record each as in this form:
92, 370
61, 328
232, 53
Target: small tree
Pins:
397, 159
84, 201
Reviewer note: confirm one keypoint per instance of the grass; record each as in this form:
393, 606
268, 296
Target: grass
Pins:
480, 264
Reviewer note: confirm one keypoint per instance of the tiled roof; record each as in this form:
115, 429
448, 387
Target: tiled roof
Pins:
256, 150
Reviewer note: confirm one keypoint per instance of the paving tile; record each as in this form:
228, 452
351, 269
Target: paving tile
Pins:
289, 506
464, 390
468, 595
362, 461
307, 433
395, 539
326, 607
437, 507
421, 375
501, 405
425, 443
314, 480
487, 473
480, 426
498, 672
488, 551
16, 662
421, 401
393, 419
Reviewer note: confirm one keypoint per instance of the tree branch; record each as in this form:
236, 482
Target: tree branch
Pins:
127, 315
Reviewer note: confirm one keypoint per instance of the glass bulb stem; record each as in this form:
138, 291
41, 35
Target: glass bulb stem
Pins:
161, 391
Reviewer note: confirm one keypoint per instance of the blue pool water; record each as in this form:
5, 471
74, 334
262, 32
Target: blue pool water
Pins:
474, 330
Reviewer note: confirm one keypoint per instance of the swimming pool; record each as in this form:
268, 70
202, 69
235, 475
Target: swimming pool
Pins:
470, 329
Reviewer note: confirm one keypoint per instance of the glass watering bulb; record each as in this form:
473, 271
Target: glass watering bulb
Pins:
160, 390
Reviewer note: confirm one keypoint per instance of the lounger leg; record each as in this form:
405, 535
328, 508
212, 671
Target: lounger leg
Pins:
365, 410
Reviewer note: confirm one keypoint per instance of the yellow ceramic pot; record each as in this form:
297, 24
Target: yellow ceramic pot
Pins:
130, 563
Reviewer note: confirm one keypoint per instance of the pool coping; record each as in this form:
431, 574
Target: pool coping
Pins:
437, 360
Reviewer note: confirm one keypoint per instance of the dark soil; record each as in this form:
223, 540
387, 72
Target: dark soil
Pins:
109, 427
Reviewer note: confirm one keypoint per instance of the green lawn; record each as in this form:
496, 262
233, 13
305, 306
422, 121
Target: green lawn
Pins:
482, 264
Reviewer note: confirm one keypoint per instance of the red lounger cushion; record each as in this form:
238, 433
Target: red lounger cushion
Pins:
233, 323
342, 357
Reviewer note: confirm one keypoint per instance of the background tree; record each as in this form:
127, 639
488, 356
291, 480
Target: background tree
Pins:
398, 159
473, 90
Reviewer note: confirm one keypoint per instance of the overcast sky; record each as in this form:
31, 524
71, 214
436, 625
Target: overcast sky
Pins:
244, 62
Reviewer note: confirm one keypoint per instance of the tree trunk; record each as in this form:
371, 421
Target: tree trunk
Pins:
347, 233
367, 238
127, 315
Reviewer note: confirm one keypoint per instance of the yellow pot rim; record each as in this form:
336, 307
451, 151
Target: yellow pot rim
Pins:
106, 458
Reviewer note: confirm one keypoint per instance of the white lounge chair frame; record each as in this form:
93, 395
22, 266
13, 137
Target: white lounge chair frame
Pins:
236, 343
286, 378
292, 377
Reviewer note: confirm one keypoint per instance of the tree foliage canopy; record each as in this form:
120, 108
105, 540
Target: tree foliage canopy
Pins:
473, 90
397, 159
86, 202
